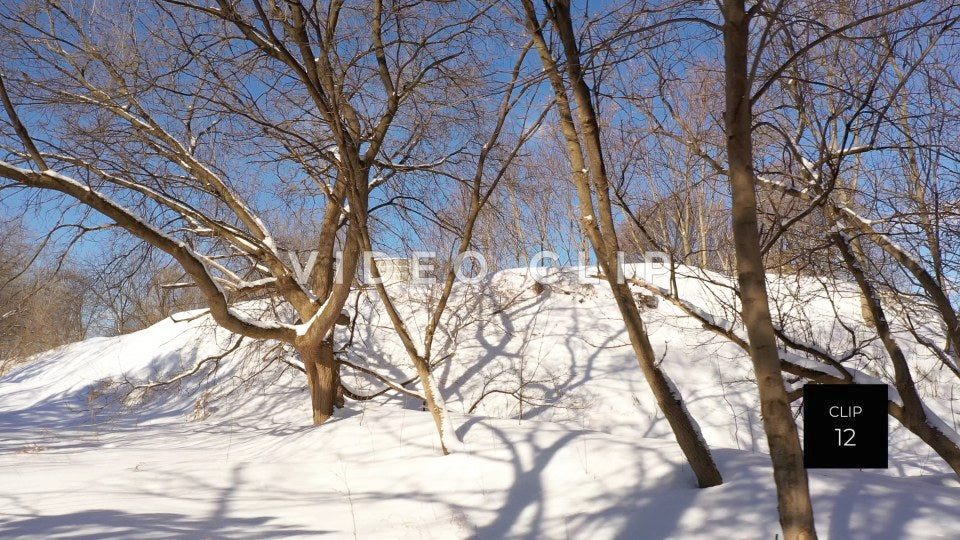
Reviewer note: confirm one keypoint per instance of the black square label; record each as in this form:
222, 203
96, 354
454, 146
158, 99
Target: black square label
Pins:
845, 426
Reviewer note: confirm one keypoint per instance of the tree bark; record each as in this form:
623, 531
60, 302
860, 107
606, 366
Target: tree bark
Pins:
912, 414
435, 403
600, 228
323, 378
793, 494
668, 398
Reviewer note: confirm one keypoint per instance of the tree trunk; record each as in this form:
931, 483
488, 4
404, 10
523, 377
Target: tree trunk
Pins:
865, 311
327, 359
913, 414
603, 235
323, 378
430, 390
702, 222
435, 404
668, 398
793, 495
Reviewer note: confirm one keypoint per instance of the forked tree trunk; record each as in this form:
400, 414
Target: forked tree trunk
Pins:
430, 390
435, 404
793, 494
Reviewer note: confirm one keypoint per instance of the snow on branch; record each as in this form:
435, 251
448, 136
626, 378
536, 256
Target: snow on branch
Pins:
195, 264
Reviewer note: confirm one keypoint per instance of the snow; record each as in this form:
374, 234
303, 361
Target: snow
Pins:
253, 284
333, 151
810, 167
938, 424
266, 325
849, 212
267, 239
229, 452
303, 328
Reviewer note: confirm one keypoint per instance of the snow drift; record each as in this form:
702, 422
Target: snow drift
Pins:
561, 438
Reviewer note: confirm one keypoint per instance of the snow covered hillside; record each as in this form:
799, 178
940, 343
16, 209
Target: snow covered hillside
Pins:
560, 436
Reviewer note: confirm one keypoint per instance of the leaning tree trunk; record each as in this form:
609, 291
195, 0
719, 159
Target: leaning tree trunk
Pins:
793, 494
912, 414
668, 397
603, 237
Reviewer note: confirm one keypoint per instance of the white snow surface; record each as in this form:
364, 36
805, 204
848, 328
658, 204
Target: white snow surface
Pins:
568, 442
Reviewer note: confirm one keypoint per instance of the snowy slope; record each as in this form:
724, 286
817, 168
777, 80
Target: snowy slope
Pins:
566, 442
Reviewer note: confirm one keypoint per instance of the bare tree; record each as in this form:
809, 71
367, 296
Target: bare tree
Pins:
589, 177
495, 157
44, 301
165, 131
796, 511
833, 140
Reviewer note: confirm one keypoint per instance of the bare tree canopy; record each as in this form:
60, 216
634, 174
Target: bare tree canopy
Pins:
253, 159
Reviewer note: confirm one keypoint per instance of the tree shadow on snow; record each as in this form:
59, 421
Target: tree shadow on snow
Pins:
218, 522
119, 524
